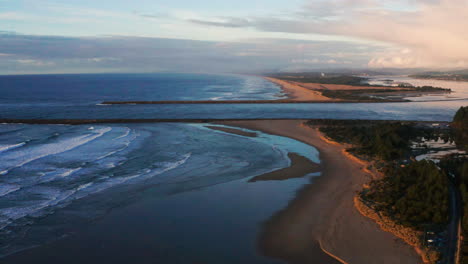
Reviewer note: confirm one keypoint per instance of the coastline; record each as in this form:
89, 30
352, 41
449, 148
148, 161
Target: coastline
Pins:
298, 93
300, 167
322, 217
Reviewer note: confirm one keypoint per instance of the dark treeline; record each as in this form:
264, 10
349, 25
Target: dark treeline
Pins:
382, 140
412, 193
414, 196
457, 167
455, 76
312, 77
460, 127
359, 95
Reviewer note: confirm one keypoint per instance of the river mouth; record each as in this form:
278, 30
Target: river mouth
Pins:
97, 189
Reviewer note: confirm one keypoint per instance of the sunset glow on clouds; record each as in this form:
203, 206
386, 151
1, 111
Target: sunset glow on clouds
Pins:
77, 36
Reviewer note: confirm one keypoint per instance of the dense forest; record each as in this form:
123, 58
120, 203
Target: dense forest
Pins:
319, 78
380, 140
460, 127
450, 76
414, 196
359, 95
457, 166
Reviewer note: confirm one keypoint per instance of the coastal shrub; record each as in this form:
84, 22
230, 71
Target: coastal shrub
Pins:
382, 140
460, 126
351, 95
310, 77
364, 94
457, 166
387, 141
414, 196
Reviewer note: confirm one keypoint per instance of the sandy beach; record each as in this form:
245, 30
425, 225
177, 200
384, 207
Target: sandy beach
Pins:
338, 87
321, 224
299, 93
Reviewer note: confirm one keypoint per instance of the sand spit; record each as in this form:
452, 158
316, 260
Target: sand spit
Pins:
321, 224
298, 93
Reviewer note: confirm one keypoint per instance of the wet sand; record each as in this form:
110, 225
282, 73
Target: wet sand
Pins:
233, 131
300, 167
299, 93
322, 219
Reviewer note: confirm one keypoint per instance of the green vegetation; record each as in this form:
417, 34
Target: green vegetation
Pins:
460, 127
366, 94
310, 77
457, 166
384, 141
379, 140
358, 95
431, 89
414, 196
355, 95
449, 76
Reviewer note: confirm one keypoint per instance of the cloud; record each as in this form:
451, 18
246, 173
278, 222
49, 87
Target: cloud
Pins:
152, 15
51, 54
418, 33
229, 22
36, 63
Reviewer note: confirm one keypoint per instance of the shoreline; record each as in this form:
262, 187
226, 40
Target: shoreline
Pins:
303, 93
276, 101
298, 93
183, 120
300, 167
322, 217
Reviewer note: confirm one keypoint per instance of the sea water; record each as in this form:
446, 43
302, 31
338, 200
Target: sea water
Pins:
178, 189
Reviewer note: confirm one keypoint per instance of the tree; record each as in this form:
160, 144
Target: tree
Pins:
460, 126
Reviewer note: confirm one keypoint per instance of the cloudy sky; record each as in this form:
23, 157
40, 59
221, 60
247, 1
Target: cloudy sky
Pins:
70, 36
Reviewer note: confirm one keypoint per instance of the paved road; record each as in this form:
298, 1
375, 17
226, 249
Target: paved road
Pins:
454, 225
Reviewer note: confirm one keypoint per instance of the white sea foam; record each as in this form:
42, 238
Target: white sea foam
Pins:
167, 166
126, 144
11, 161
50, 197
4, 148
47, 198
8, 188
57, 173
149, 173
69, 172
108, 182
127, 132
84, 186
112, 152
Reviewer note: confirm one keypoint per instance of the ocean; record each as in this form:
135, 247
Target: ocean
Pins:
80, 97
61, 184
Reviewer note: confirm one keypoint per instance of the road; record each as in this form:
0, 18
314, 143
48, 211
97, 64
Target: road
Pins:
453, 230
